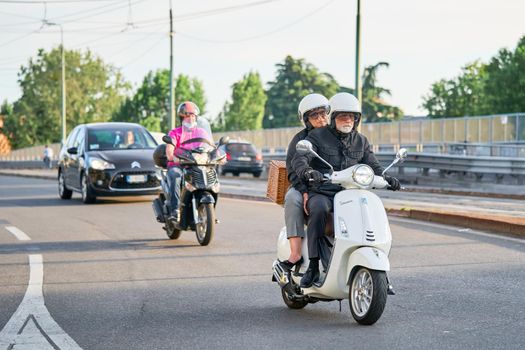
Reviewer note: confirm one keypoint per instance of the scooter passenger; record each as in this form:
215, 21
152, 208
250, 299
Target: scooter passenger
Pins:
313, 113
341, 145
188, 113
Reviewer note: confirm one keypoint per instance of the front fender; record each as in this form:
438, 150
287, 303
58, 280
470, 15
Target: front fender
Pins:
206, 198
371, 258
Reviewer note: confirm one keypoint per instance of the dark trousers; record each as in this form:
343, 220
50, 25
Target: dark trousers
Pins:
319, 207
174, 183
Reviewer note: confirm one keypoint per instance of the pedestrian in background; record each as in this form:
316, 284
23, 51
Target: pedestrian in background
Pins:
48, 157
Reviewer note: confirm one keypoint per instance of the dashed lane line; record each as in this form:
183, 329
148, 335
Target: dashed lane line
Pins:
18, 233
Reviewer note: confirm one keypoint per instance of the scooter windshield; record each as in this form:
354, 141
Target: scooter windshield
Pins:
197, 137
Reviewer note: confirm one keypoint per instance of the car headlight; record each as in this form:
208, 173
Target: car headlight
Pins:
363, 175
100, 164
201, 158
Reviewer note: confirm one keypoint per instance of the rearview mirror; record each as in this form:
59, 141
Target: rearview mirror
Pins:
401, 154
167, 139
304, 147
224, 140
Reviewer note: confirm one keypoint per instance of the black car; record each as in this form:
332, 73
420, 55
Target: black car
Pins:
242, 157
108, 159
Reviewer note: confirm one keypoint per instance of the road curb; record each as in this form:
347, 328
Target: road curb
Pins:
500, 224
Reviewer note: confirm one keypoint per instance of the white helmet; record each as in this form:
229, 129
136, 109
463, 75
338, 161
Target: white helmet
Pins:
344, 102
309, 102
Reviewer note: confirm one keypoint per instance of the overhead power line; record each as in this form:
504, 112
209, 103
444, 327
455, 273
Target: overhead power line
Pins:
48, 1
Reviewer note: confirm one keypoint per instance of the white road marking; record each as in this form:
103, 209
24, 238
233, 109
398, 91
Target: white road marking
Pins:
31, 326
18, 233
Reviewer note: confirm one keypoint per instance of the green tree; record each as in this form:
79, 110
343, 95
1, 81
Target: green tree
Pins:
460, 96
374, 108
246, 110
149, 106
94, 90
295, 79
493, 88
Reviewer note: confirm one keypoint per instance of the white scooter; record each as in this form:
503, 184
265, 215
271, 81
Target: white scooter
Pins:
356, 261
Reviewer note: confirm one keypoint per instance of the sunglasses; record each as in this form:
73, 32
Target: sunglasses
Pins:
315, 115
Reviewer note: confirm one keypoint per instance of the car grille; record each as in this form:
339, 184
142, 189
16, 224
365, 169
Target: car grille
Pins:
119, 180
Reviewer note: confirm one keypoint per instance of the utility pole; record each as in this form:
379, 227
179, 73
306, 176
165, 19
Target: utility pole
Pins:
358, 92
172, 92
63, 85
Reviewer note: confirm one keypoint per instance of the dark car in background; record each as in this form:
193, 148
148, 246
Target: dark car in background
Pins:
242, 157
108, 159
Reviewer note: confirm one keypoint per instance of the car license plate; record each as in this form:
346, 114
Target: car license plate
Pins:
136, 179
244, 159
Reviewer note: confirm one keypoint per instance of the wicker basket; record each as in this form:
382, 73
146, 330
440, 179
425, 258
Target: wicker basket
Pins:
277, 181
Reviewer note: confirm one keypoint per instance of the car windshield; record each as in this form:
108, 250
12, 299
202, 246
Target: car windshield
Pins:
119, 138
241, 148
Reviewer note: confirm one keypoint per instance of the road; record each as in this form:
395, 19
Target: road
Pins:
112, 280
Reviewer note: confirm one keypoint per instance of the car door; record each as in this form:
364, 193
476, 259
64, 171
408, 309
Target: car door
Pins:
66, 162
77, 159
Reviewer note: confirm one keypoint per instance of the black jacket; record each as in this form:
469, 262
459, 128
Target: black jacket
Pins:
340, 150
296, 182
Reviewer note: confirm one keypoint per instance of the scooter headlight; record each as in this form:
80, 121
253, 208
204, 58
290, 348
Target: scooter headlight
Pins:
201, 158
363, 175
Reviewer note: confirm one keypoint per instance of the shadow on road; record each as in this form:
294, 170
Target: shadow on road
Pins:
57, 202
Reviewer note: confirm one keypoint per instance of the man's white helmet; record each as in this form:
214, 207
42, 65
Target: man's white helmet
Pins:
310, 102
344, 102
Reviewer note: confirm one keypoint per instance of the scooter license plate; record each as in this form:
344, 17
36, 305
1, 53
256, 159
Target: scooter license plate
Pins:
136, 179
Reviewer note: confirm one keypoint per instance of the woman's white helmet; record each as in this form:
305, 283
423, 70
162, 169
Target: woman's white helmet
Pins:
310, 102
344, 102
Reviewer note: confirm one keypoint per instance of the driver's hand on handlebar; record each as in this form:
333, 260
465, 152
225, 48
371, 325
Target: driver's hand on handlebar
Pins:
313, 175
305, 201
393, 182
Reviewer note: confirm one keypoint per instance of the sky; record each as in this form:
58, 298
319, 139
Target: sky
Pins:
219, 41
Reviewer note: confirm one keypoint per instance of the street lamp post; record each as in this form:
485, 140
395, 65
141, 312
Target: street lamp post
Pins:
63, 85
358, 53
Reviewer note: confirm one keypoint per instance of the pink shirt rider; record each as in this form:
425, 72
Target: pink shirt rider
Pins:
180, 136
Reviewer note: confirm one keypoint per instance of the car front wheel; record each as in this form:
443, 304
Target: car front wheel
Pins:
87, 195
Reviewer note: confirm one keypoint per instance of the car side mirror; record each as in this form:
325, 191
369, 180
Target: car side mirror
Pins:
167, 139
72, 150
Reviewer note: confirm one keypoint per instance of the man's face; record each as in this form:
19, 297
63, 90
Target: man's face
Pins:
344, 122
317, 117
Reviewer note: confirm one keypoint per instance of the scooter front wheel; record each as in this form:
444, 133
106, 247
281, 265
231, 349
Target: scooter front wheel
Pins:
205, 227
367, 295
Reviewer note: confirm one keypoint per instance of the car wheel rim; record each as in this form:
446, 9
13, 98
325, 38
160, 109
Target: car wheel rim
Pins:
362, 291
61, 184
203, 222
84, 187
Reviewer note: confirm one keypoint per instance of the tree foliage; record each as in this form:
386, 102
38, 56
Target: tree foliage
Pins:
149, 106
94, 90
295, 79
374, 108
482, 88
246, 110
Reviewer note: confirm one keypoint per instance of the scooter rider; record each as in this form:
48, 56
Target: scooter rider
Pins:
313, 113
188, 113
342, 146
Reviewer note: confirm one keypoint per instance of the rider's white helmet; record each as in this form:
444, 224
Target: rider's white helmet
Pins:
344, 102
310, 102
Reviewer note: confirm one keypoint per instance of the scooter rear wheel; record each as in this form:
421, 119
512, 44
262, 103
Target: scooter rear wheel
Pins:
367, 295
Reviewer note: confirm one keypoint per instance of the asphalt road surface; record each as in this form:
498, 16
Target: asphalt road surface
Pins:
105, 276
